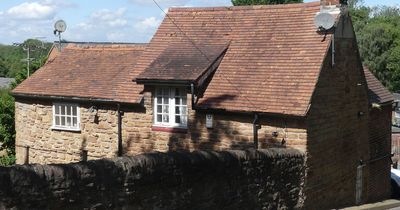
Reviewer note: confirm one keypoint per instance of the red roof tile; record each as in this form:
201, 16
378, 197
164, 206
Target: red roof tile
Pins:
179, 62
272, 63
84, 70
377, 93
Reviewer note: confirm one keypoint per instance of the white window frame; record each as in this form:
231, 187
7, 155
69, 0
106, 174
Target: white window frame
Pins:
171, 110
67, 128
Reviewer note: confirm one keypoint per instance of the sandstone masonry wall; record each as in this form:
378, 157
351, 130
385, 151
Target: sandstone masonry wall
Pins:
264, 179
99, 132
338, 129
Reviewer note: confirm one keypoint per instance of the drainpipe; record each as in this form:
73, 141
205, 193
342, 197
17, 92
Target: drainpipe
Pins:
359, 182
120, 114
256, 127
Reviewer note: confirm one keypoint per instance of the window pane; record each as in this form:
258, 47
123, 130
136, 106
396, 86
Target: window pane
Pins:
159, 118
68, 110
165, 118
183, 110
159, 109
159, 100
166, 100
62, 110
57, 109
74, 111
184, 101
177, 110
68, 121
177, 101
62, 121
183, 119
75, 122
166, 109
159, 91
177, 92
178, 119
57, 120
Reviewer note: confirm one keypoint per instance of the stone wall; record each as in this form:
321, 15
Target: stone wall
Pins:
380, 127
264, 179
99, 132
33, 123
338, 129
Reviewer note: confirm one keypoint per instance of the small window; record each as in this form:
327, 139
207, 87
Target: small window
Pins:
66, 117
170, 107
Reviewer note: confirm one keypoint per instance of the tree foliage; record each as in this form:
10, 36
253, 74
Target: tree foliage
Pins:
11, 65
11, 56
260, 2
378, 36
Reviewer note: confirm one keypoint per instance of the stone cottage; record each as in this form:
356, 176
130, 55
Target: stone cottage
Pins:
214, 79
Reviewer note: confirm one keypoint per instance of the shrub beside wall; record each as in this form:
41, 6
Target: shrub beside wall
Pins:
263, 179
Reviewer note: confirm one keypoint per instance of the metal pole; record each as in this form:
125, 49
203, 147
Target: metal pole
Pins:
29, 59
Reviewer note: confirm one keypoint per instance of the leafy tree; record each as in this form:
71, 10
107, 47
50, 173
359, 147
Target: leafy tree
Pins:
7, 128
12, 66
260, 2
378, 36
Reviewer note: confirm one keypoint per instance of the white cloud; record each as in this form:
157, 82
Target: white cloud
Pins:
148, 23
109, 18
163, 3
103, 25
34, 10
60, 3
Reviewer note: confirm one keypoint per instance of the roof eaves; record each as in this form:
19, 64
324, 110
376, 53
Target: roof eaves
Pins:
219, 110
66, 98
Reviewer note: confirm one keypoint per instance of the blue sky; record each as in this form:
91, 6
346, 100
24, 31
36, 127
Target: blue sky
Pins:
95, 20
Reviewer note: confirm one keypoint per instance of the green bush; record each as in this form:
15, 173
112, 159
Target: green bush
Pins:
7, 160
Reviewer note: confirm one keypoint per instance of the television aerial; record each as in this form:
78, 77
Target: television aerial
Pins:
324, 21
59, 27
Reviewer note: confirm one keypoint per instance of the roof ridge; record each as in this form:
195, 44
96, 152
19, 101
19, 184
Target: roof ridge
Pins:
98, 46
101, 43
228, 8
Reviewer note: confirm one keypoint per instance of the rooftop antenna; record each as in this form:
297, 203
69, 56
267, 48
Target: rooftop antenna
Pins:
59, 27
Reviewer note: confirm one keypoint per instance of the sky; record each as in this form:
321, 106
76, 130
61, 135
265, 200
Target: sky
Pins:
96, 20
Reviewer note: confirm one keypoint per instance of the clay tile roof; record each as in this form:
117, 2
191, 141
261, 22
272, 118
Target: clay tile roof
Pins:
85, 70
272, 62
377, 93
180, 62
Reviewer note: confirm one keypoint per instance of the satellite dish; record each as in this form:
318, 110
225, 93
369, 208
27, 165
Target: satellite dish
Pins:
324, 20
60, 26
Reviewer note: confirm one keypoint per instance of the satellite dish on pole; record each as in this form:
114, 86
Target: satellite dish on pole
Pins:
59, 27
324, 20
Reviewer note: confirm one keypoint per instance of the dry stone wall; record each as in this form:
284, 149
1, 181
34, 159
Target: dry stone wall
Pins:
264, 179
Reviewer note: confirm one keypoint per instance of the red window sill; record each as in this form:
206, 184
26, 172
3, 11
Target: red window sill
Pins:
169, 130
